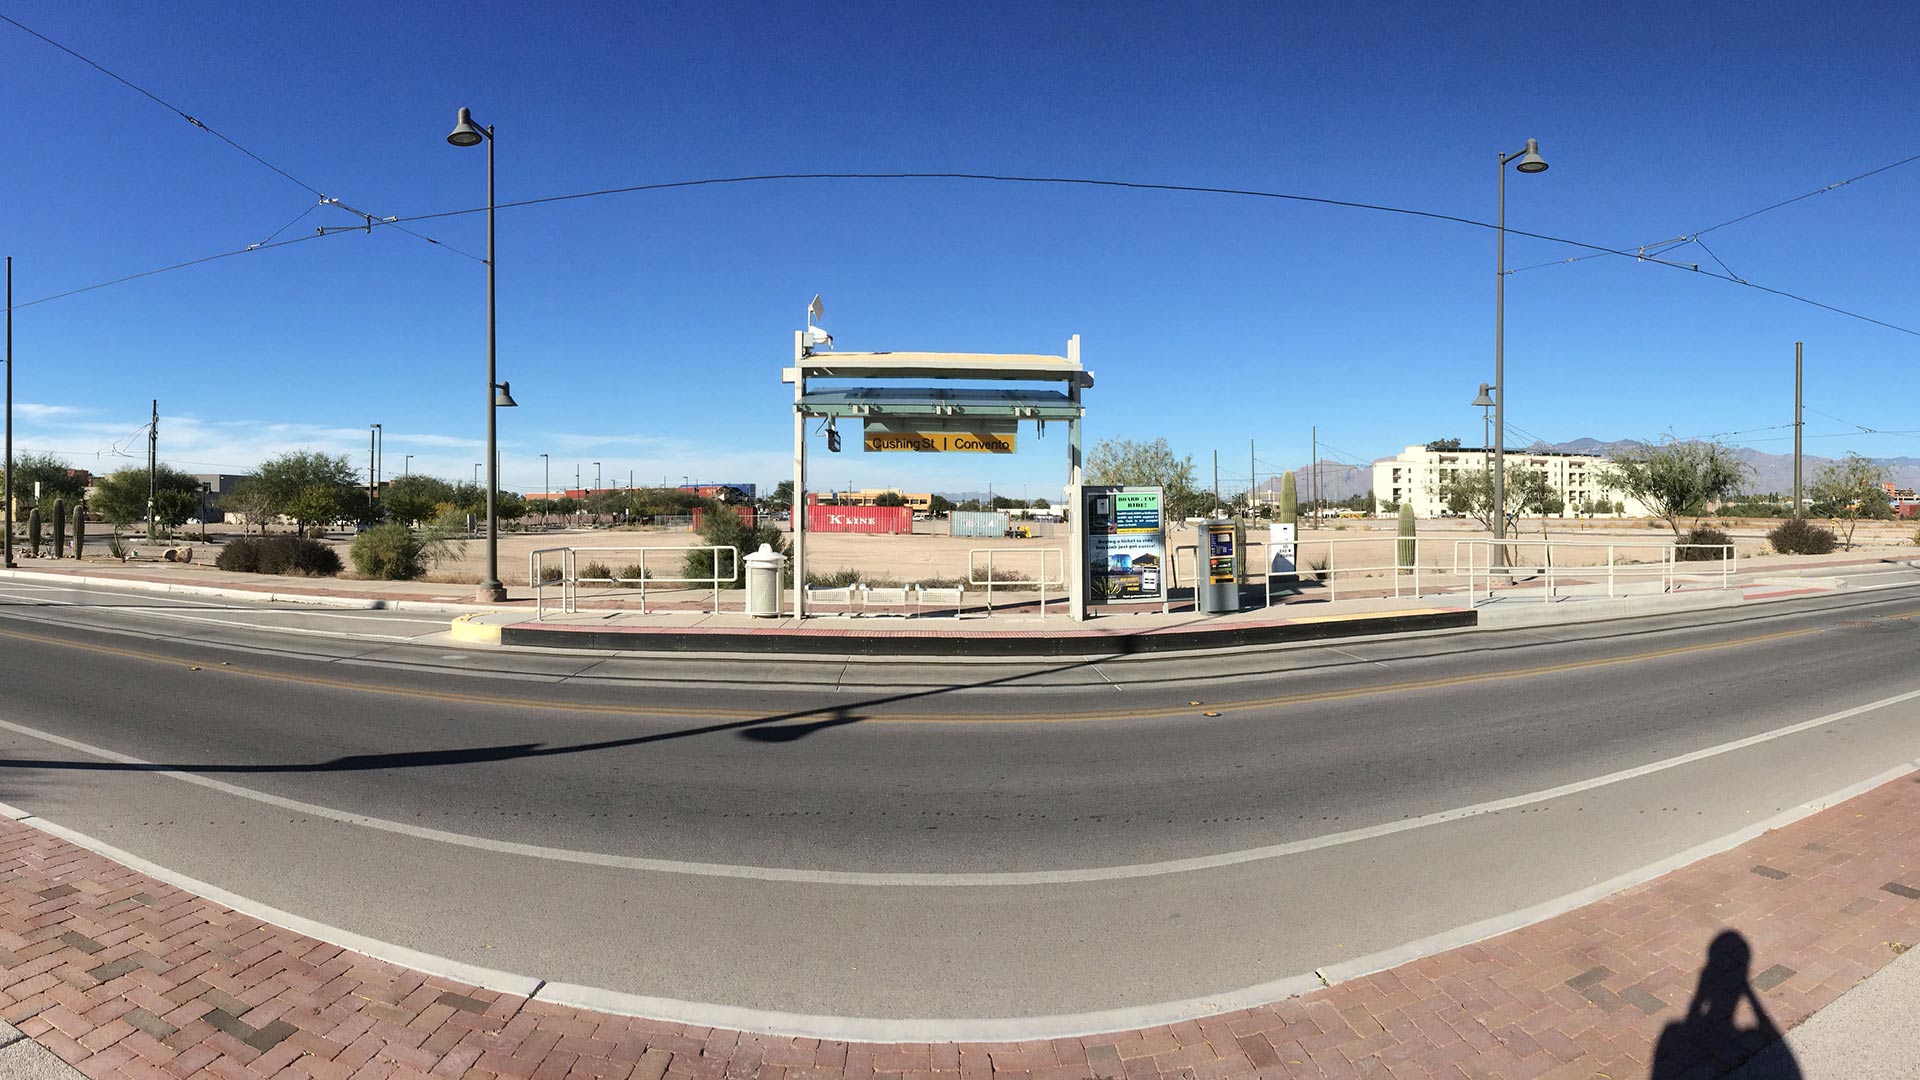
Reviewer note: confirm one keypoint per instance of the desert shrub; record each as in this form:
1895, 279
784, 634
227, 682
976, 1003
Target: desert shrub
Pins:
389, 552
1703, 535
284, 554
634, 572
595, 570
834, 579
721, 527
551, 575
1798, 536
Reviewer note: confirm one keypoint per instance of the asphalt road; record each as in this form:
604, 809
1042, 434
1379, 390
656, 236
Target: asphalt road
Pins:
986, 840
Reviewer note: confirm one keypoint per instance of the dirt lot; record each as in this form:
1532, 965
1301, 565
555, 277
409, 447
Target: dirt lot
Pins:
924, 557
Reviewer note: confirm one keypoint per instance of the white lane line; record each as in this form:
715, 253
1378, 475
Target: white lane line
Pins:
180, 616
995, 879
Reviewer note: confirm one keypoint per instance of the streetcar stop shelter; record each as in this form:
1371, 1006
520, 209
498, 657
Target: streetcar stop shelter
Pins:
888, 395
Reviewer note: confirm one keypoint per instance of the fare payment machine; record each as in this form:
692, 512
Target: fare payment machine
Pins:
1219, 560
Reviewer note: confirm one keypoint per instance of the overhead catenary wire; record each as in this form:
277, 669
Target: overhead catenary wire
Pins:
203, 126
395, 222
1651, 251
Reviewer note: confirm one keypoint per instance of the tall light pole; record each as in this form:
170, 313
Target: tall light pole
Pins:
1483, 403
406, 465
546, 488
373, 465
596, 476
476, 474
466, 133
8, 494
1529, 162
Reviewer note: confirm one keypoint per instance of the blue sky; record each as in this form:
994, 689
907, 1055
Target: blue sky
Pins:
646, 331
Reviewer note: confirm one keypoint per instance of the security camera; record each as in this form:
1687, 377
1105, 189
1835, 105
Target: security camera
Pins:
817, 337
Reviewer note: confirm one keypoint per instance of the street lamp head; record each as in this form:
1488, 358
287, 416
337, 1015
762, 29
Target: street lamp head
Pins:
1530, 159
503, 396
1484, 401
466, 134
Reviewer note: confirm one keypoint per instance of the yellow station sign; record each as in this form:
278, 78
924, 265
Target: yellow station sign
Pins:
940, 442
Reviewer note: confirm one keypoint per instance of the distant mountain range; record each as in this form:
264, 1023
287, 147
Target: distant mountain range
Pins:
1771, 472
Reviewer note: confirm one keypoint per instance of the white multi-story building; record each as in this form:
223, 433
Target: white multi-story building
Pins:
1420, 476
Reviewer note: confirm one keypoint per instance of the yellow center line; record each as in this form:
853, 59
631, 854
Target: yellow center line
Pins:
1303, 698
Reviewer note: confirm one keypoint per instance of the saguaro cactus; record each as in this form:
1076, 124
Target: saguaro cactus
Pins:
80, 531
33, 532
1289, 500
1405, 548
59, 528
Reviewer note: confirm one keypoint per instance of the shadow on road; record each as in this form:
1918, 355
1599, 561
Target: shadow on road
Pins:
774, 729
1707, 1039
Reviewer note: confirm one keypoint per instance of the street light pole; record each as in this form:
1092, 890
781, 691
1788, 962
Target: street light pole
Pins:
466, 133
9, 491
596, 476
1530, 162
406, 465
546, 488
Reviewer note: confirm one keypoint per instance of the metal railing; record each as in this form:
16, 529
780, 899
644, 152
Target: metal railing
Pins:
1404, 574
570, 579
1661, 569
1059, 580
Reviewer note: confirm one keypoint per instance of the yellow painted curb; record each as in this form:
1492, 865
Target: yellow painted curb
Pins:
464, 629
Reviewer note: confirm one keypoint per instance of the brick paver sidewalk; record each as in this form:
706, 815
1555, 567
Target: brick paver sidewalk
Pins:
124, 976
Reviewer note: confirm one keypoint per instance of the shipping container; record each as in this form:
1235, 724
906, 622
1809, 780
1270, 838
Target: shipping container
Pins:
860, 519
987, 523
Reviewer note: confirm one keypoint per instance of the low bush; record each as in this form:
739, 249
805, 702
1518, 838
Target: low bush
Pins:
595, 570
1798, 536
393, 552
1703, 535
634, 572
285, 554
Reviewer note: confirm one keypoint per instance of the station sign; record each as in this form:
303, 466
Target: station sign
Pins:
1126, 530
933, 435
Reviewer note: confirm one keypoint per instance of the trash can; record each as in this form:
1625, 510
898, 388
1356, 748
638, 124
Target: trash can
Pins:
765, 568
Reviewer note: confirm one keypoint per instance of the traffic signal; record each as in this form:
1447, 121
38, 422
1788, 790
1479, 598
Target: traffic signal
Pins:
833, 440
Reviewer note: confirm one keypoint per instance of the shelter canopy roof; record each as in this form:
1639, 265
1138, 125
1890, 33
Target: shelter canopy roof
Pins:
929, 365
932, 401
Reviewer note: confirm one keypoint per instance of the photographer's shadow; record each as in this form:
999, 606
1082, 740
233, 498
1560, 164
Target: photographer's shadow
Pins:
1708, 1034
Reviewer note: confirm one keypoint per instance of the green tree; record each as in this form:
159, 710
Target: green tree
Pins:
889, 498
55, 477
121, 497
1125, 461
781, 497
1470, 492
414, 498
1851, 490
1042, 504
940, 506
1676, 479
1444, 444
308, 486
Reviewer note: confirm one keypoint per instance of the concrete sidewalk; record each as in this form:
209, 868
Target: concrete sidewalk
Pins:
123, 975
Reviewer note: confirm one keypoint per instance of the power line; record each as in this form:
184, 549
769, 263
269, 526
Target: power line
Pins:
1665, 246
396, 222
203, 126
1598, 249
168, 269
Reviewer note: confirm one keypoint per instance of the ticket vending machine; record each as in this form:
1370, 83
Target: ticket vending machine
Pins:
1218, 563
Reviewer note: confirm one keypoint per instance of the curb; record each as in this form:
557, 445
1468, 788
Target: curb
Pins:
355, 603
925, 645
467, 631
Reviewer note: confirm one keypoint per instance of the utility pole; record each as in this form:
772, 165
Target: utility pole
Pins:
1798, 423
1216, 483
10, 412
153, 461
1313, 472
373, 474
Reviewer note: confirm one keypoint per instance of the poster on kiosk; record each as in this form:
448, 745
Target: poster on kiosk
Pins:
1126, 544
